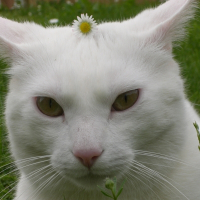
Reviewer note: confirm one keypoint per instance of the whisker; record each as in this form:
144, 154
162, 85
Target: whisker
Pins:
48, 170
131, 180
29, 176
159, 165
24, 167
162, 156
161, 176
130, 174
151, 174
151, 170
146, 175
8, 192
22, 161
46, 183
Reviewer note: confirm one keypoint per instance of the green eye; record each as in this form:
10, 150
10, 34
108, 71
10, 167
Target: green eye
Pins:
49, 106
125, 100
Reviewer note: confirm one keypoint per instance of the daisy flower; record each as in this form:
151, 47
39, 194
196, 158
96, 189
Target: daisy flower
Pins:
85, 25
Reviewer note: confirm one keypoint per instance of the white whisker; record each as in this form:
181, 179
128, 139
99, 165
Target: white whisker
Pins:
151, 175
152, 172
21, 161
7, 193
29, 176
130, 174
15, 170
162, 156
45, 184
48, 170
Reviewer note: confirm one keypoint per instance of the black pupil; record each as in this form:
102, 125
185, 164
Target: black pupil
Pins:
50, 103
125, 98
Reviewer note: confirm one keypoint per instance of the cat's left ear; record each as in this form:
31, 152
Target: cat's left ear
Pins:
14, 35
164, 24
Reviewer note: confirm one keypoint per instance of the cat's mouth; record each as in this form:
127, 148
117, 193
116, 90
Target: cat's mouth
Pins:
89, 180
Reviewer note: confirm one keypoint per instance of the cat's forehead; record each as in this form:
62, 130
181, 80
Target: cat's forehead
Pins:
106, 51
111, 61
82, 53
71, 64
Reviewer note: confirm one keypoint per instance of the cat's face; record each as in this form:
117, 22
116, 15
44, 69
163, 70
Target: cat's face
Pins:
85, 77
90, 139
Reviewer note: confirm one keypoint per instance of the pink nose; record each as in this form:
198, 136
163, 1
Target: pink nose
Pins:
88, 157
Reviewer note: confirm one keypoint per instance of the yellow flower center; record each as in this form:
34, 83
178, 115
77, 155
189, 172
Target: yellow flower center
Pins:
85, 27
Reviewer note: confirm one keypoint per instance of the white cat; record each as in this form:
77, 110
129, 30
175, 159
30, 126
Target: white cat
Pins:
83, 107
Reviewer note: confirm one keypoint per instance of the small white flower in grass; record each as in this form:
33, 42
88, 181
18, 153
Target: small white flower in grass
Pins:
85, 25
53, 21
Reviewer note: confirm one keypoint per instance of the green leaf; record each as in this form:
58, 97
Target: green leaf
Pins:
115, 184
119, 192
106, 194
122, 185
198, 133
121, 188
99, 187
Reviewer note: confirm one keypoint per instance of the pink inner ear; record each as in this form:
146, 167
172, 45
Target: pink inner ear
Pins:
11, 31
161, 35
166, 23
13, 34
168, 9
19, 32
9, 50
168, 47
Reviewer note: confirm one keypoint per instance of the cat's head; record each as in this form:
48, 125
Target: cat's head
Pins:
87, 103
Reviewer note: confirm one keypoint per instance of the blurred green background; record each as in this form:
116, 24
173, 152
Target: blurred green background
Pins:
187, 54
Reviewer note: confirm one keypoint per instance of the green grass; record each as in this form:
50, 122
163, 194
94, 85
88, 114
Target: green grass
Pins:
111, 184
188, 54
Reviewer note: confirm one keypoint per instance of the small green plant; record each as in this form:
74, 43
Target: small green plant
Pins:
198, 133
111, 184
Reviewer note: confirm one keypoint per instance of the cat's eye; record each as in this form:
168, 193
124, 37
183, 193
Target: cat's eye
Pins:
125, 100
49, 106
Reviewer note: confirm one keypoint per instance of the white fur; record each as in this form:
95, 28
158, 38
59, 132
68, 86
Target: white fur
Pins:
85, 75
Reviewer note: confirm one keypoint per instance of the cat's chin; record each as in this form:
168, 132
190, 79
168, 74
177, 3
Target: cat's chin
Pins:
89, 181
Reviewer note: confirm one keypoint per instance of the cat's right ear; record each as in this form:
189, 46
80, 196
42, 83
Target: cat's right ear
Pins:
13, 36
165, 24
